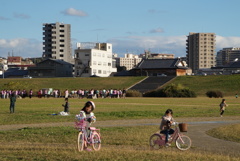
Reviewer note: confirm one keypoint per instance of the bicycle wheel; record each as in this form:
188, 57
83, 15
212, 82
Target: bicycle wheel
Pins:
80, 142
96, 141
156, 141
183, 142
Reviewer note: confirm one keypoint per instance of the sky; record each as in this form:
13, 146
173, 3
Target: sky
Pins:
131, 26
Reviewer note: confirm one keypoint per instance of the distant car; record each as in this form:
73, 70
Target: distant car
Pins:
27, 76
161, 75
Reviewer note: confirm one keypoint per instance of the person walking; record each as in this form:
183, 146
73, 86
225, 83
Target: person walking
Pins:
222, 105
12, 102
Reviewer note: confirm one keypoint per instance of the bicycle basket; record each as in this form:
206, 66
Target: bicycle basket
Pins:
183, 127
80, 124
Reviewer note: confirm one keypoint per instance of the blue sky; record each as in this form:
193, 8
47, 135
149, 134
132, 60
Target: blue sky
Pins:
130, 25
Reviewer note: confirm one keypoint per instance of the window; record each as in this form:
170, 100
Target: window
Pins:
86, 54
99, 63
62, 45
99, 72
85, 71
61, 55
94, 63
61, 35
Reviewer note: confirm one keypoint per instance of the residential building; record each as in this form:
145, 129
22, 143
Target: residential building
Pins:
149, 55
94, 59
57, 41
227, 55
161, 67
201, 51
14, 60
129, 61
51, 68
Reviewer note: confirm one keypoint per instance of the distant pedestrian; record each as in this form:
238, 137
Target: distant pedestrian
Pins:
13, 98
236, 95
30, 93
222, 105
66, 106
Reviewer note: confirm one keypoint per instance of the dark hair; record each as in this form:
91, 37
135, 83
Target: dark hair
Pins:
66, 99
223, 100
169, 111
87, 104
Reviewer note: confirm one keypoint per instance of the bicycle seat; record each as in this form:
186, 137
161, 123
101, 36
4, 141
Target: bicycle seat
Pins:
92, 128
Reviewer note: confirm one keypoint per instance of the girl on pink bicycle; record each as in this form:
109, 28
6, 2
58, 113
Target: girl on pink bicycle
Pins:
87, 115
165, 126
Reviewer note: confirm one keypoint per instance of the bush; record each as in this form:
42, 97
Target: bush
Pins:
133, 93
215, 94
173, 90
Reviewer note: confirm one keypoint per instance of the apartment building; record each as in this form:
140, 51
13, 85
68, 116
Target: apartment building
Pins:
129, 61
227, 55
57, 41
201, 51
94, 59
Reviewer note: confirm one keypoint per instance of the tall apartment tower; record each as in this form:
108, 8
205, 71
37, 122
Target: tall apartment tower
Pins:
57, 41
228, 55
201, 51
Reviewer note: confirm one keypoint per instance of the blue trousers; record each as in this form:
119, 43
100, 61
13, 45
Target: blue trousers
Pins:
167, 132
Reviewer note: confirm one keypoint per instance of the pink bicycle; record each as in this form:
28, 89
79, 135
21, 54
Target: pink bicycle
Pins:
182, 142
83, 140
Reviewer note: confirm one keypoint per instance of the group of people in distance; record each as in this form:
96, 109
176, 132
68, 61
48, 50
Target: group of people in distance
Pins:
56, 93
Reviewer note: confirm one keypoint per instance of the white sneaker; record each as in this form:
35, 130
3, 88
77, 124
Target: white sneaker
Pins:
167, 145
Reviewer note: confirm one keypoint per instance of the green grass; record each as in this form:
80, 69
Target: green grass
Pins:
118, 143
74, 83
230, 132
39, 110
228, 84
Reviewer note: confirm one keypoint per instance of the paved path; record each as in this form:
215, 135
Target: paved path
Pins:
196, 131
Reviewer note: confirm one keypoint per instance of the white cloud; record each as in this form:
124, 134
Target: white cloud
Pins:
74, 12
224, 42
21, 16
132, 44
4, 18
161, 44
21, 47
157, 30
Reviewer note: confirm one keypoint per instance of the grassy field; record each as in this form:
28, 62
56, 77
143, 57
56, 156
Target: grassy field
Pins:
38, 110
230, 133
74, 83
228, 84
118, 143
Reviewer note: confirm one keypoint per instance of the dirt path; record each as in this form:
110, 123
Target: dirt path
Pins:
196, 131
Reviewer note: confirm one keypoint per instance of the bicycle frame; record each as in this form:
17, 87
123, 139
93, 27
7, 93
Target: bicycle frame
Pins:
93, 139
174, 136
89, 140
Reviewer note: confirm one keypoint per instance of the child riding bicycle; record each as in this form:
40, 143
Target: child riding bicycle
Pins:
87, 115
165, 126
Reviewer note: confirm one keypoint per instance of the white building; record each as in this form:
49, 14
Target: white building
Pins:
94, 59
129, 61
